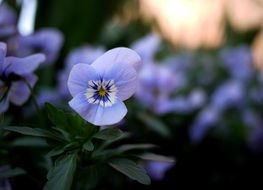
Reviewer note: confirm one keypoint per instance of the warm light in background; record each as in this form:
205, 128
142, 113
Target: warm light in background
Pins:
193, 24
257, 50
244, 14
190, 24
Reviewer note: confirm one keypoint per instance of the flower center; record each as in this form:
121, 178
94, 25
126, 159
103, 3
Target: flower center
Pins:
101, 92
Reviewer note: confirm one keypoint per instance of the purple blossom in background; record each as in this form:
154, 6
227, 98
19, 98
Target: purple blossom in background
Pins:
99, 89
238, 62
206, 119
156, 84
157, 169
228, 94
47, 41
256, 92
180, 63
4, 183
48, 95
147, 47
85, 54
183, 104
7, 21
16, 74
255, 126
255, 139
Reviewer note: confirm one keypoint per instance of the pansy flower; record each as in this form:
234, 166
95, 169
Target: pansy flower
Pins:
7, 21
16, 77
47, 41
238, 62
85, 54
156, 84
99, 89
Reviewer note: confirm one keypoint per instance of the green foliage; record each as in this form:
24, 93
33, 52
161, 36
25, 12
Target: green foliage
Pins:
90, 176
130, 169
155, 124
8, 172
62, 174
88, 146
156, 157
77, 148
70, 124
38, 132
128, 147
109, 134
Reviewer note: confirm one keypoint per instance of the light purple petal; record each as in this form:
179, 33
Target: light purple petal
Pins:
49, 40
48, 95
230, 93
2, 54
147, 47
117, 55
84, 54
7, 15
97, 114
24, 65
205, 120
7, 31
197, 98
79, 77
157, 169
178, 105
20, 92
62, 85
125, 78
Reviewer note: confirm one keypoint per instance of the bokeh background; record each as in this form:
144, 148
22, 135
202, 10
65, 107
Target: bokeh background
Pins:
200, 95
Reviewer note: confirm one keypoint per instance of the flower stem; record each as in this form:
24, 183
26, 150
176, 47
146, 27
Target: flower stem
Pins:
34, 101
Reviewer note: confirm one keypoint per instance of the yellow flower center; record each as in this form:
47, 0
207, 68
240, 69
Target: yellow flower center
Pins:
102, 92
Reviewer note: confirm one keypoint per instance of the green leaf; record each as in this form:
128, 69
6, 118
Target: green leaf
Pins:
90, 176
11, 172
38, 132
56, 151
128, 147
156, 157
88, 146
110, 134
155, 124
61, 149
62, 174
131, 169
69, 123
71, 146
64, 133
104, 154
30, 142
56, 116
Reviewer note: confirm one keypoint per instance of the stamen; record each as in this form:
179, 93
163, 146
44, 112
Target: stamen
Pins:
102, 92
